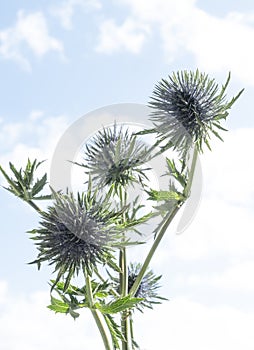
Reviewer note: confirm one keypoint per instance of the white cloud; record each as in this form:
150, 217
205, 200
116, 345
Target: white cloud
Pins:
224, 221
32, 30
235, 278
26, 324
31, 138
217, 43
222, 228
181, 323
222, 44
219, 228
66, 10
3, 291
232, 159
130, 36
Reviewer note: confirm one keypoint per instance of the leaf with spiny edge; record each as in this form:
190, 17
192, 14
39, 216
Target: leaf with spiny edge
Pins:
118, 305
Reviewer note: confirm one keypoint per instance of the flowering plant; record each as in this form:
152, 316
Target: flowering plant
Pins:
87, 235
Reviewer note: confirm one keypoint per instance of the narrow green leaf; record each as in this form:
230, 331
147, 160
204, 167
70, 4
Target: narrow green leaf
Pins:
217, 135
41, 198
23, 187
14, 188
145, 132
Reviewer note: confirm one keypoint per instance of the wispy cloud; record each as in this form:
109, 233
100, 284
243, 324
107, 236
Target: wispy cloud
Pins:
30, 31
216, 43
193, 325
26, 323
236, 278
129, 36
66, 10
35, 137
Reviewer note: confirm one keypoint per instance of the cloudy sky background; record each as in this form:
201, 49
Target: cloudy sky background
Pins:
61, 59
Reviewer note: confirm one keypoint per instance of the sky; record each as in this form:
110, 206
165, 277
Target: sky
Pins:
60, 60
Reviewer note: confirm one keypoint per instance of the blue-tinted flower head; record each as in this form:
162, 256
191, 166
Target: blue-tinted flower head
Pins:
75, 234
115, 156
188, 107
148, 289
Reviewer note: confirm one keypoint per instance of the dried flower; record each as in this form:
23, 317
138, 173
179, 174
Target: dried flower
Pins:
188, 107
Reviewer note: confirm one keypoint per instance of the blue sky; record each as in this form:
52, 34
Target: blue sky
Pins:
62, 59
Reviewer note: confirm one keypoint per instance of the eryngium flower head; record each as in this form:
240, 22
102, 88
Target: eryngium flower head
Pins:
188, 107
75, 234
148, 287
114, 156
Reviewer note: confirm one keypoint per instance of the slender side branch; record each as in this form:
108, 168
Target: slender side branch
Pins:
186, 191
97, 315
163, 229
34, 206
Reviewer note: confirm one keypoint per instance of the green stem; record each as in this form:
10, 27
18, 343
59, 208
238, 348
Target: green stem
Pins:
112, 291
186, 191
33, 205
156, 242
125, 322
131, 332
97, 315
170, 216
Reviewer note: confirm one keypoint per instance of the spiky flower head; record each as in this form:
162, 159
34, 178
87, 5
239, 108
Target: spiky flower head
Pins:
188, 108
114, 157
76, 234
148, 287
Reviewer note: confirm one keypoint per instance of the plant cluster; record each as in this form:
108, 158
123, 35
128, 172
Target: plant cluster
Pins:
87, 235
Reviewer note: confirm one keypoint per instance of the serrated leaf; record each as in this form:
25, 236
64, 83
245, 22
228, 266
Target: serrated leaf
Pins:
164, 195
115, 332
58, 305
175, 173
71, 290
38, 186
100, 294
16, 173
14, 188
119, 305
41, 198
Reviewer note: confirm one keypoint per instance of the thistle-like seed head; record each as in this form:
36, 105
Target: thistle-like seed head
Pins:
148, 287
115, 157
187, 108
75, 234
